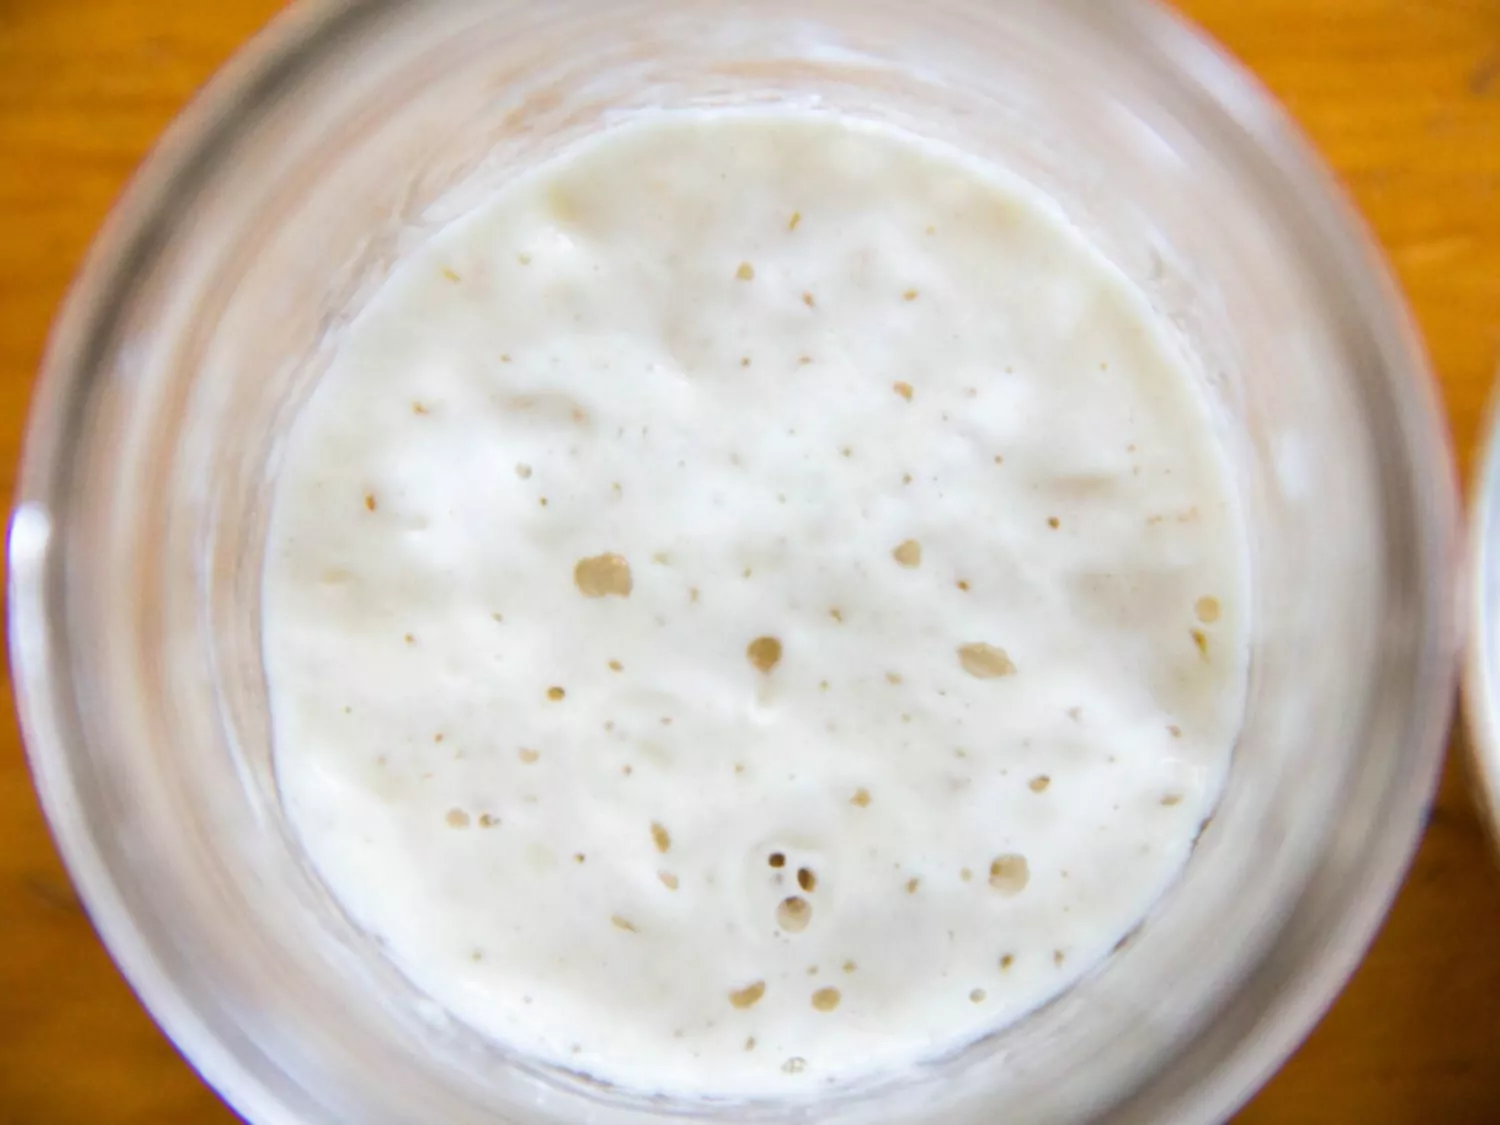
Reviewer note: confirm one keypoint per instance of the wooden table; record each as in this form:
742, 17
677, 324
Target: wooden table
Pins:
1402, 96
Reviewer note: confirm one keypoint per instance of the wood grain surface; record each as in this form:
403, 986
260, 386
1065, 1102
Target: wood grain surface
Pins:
1402, 97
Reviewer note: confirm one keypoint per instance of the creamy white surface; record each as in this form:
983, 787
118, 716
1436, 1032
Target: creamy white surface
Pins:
751, 356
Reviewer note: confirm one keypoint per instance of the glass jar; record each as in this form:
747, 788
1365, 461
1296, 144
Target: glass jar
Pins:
1482, 666
348, 134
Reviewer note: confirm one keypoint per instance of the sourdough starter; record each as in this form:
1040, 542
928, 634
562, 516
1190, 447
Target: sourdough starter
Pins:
758, 602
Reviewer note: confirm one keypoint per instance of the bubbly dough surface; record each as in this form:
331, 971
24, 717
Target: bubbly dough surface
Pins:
757, 603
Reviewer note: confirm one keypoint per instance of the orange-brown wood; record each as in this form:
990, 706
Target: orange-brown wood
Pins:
1402, 97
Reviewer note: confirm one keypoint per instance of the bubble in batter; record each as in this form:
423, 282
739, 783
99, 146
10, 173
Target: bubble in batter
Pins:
985, 661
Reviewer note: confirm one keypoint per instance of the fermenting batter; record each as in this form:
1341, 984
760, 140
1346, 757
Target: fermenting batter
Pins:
759, 602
